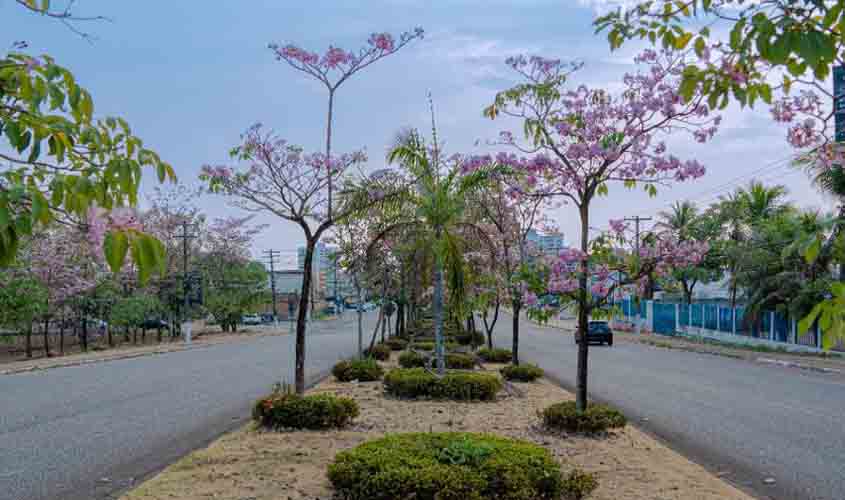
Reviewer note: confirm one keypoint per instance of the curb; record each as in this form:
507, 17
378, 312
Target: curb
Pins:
28, 369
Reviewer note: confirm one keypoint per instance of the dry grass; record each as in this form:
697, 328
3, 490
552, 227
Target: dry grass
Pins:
252, 464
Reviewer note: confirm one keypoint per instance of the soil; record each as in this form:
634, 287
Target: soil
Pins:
253, 464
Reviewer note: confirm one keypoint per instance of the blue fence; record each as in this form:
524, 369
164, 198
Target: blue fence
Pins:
668, 318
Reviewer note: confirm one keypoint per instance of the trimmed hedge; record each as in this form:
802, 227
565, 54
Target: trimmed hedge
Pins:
446, 466
522, 373
454, 361
457, 361
380, 352
596, 418
495, 355
362, 370
396, 343
321, 411
411, 359
459, 386
471, 338
579, 484
429, 346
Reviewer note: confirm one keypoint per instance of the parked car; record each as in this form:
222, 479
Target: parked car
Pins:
267, 318
598, 332
153, 323
369, 306
251, 319
330, 309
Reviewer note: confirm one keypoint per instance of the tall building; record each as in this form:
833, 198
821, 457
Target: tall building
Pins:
322, 268
546, 243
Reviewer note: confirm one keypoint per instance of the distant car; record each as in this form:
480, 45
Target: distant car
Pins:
152, 323
599, 332
267, 318
330, 309
352, 306
369, 306
251, 319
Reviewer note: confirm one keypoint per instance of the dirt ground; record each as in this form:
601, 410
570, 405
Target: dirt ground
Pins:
253, 464
204, 336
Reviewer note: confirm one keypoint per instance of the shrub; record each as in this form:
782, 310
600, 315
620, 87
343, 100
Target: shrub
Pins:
396, 343
411, 359
429, 346
363, 370
460, 361
470, 338
380, 352
579, 484
322, 411
459, 386
495, 355
446, 466
596, 418
522, 373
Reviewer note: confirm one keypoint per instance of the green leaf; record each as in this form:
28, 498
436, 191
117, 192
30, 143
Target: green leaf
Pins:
808, 320
115, 248
812, 251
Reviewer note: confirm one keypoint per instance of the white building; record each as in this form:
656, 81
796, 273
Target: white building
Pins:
547, 243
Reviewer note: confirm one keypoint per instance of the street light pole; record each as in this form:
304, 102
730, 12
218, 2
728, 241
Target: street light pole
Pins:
271, 256
186, 323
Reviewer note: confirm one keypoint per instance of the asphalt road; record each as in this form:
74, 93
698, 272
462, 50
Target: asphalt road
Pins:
750, 420
90, 431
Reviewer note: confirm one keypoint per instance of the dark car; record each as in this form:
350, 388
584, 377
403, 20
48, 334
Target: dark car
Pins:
267, 318
152, 323
598, 332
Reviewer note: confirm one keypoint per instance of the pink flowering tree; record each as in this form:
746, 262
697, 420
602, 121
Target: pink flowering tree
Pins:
581, 140
335, 67
279, 178
510, 214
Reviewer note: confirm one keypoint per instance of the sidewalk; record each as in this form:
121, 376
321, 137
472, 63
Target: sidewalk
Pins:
824, 363
205, 339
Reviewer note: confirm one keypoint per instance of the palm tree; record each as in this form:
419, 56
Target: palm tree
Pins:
731, 215
830, 180
438, 204
762, 202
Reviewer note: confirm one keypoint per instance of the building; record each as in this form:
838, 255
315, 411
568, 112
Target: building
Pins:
287, 281
547, 243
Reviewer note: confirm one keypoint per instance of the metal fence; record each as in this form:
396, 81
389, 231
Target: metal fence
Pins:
720, 322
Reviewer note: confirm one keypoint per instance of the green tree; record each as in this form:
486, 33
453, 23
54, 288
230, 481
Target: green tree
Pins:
22, 300
232, 288
438, 204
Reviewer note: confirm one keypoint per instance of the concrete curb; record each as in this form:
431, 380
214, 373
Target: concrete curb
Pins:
80, 362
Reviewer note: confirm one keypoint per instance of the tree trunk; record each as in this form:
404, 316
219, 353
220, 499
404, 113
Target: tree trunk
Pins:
109, 333
29, 340
304, 295
583, 314
47, 337
62, 336
84, 334
134, 336
360, 313
437, 305
158, 335
489, 326
517, 305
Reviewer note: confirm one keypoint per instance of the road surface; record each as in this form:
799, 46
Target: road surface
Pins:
86, 432
749, 420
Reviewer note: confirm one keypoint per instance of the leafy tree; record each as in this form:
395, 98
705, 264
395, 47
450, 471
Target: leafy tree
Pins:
438, 203
685, 224
233, 289
582, 140
22, 300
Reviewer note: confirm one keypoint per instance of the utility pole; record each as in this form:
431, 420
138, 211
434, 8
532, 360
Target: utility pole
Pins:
271, 256
185, 236
637, 219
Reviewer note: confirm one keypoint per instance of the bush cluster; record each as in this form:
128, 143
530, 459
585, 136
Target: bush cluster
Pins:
460, 386
446, 466
457, 361
429, 346
522, 373
596, 418
322, 411
412, 359
396, 343
579, 484
470, 338
495, 355
362, 370
380, 352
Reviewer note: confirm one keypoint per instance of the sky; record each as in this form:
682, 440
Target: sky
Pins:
190, 75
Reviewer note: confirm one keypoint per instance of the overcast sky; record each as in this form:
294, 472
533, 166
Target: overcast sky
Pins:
190, 75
